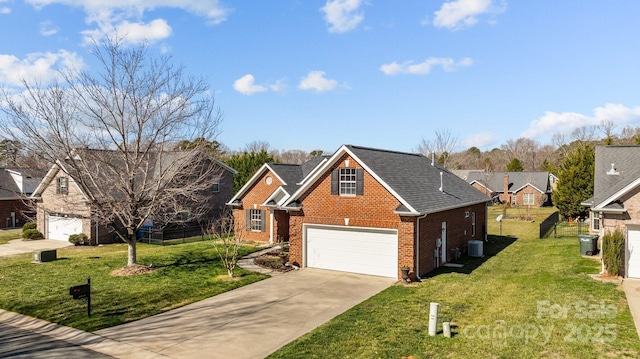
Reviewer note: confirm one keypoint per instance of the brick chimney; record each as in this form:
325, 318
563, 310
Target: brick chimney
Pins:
506, 198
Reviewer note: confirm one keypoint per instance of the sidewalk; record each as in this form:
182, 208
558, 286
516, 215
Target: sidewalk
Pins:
632, 291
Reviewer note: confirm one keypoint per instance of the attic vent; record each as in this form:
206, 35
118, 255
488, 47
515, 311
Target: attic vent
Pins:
613, 171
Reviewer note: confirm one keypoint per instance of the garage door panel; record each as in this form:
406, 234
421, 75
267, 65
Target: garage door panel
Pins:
364, 250
60, 228
633, 250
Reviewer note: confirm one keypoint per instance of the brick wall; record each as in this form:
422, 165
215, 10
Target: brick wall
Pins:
459, 232
15, 206
631, 218
255, 196
72, 204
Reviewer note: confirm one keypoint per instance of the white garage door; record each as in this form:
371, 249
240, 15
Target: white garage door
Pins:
358, 250
60, 228
633, 253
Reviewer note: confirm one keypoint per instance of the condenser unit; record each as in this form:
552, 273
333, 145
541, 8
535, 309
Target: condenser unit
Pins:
475, 248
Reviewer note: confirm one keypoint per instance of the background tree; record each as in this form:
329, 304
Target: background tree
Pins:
247, 163
213, 148
575, 181
515, 166
130, 113
442, 146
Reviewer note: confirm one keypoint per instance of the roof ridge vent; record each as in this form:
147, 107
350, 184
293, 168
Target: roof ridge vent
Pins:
613, 171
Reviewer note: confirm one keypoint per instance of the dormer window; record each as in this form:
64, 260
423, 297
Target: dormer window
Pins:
62, 185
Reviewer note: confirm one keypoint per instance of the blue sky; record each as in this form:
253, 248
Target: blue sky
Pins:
317, 74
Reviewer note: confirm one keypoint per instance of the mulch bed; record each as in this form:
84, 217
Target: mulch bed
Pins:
135, 269
275, 260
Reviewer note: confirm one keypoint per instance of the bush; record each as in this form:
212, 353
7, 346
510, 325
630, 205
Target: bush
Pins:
79, 239
31, 234
612, 251
29, 225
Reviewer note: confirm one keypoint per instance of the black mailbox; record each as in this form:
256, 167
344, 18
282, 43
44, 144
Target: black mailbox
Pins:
80, 291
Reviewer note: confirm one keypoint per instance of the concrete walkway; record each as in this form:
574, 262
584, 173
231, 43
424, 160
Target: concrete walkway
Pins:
632, 291
252, 321
18, 246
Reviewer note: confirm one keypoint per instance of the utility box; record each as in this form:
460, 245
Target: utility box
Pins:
588, 244
45, 255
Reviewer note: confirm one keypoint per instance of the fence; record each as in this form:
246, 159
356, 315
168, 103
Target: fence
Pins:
160, 236
554, 227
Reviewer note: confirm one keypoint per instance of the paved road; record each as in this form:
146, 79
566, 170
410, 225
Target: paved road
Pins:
22, 343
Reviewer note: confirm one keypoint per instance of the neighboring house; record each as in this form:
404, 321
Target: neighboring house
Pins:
363, 210
517, 188
63, 207
16, 185
616, 200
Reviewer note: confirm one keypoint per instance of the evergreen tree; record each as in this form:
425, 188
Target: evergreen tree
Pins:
247, 163
575, 181
515, 166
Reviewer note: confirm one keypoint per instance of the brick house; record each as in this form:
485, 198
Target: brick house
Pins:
517, 188
616, 200
63, 207
363, 210
16, 185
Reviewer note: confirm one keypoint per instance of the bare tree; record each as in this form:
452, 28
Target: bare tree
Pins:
227, 239
442, 146
113, 133
294, 157
257, 146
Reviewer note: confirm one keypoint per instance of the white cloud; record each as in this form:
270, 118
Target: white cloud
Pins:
47, 28
480, 140
316, 81
458, 14
424, 68
246, 86
133, 32
5, 10
127, 15
566, 122
37, 67
342, 15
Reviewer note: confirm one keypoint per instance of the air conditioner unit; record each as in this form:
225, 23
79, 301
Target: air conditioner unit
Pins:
46, 255
475, 248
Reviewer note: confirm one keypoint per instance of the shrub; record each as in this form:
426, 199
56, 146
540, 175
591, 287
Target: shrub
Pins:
612, 251
79, 239
29, 225
31, 234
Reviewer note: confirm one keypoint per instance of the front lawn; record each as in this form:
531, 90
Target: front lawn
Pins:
184, 274
528, 298
9, 234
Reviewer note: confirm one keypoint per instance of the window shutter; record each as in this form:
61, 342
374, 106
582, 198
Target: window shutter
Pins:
58, 185
248, 220
359, 181
335, 181
262, 221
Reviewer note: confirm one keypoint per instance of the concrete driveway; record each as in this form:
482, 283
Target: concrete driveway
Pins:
252, 321
18, 246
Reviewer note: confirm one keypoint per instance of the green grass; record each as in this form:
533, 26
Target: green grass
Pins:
184, 274
9, 234
494, 301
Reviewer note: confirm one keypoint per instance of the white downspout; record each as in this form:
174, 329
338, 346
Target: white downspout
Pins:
418, 245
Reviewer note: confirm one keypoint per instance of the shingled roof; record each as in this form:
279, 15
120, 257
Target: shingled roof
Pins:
494, 181
411, 178
617, 171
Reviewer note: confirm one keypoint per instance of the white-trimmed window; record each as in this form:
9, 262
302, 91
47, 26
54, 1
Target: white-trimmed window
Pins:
528, 199
514, 200
596, 221
62, 185
255, 220
347, 181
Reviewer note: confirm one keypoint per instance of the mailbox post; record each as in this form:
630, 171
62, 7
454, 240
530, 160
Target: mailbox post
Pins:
81, 292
